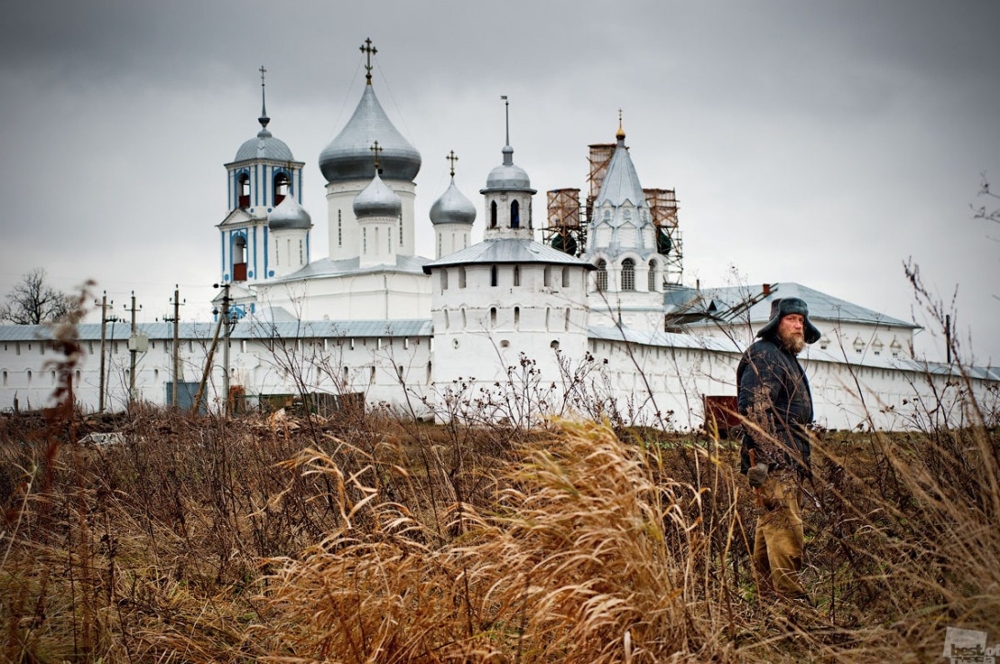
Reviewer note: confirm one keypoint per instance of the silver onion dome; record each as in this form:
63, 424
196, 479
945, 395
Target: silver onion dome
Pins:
452, 207
264, 146
377, 200
349, 157
507, 176
289, 215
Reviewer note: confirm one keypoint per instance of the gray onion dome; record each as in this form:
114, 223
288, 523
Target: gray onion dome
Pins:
453, 208
289, 215
264, 146
377, 200
349, 157
507, 176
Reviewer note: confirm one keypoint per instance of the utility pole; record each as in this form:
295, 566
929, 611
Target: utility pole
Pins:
133, 350
176, 373
104, 328
225, 348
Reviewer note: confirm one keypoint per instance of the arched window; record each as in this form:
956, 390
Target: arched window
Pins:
493, 214
243, 188
515, 215
517, 275
628, 275
240, 258
517, 318
281, 183
602, 275
493, 316
653, 284
493, 275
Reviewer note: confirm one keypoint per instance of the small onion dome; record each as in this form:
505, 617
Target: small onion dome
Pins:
349, 157
453, 208
265, 146
507, 176
377, 200
289, 215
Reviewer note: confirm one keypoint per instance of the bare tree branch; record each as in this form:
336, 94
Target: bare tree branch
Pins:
32, 301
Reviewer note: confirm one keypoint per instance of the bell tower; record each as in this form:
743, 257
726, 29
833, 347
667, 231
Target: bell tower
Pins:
263, 173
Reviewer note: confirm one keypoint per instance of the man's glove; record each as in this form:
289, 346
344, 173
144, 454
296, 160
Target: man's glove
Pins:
757, 475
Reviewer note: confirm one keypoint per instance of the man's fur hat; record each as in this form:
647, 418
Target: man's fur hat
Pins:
781, 307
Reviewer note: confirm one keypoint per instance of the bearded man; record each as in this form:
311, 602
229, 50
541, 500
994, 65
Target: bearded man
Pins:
776, 408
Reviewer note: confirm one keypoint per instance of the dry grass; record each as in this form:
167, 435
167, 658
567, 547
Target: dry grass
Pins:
370, 538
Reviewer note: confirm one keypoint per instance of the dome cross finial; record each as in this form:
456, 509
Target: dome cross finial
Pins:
263, 119
377, 149
506, 111
621, 132
452, 157
369, 51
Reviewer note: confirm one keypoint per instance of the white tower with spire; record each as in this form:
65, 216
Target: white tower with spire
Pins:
627, 287
507, 301
346, 165
263, 174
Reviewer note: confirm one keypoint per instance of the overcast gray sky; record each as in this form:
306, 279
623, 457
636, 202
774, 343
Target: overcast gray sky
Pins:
819, 143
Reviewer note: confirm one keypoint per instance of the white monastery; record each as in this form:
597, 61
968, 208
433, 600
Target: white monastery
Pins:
593, 319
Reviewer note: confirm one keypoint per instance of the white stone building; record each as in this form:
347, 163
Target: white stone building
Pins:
504, 328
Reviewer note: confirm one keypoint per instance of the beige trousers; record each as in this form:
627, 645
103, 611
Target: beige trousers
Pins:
777, 547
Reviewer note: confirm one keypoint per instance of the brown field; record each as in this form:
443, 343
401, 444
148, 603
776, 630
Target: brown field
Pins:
368, 538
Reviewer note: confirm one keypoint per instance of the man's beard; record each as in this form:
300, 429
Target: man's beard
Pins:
793, 342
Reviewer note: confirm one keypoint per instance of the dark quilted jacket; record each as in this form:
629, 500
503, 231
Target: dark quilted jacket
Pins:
772, 378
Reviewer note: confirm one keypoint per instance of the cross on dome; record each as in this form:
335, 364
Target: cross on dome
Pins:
263, 119
377, 150
452, 157
369, 51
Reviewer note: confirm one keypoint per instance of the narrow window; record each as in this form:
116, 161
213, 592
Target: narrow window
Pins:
29, 377
652, 285
346, 376
515, 215
517, 318
444, 280
240, 258
371, 379
340, 230
364, 241
401, 230
547, 276
447, 320
565, 277
628, 274
244, 191
517, 275
461, 277
493, 214
280, 187
493, 276
602, 275
566, 320
493, 316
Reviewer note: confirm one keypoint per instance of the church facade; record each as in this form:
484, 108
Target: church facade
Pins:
593, 320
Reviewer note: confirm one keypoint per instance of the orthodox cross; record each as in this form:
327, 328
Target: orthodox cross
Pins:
452, 158
369, 51
377, 149
263, 119
506, 110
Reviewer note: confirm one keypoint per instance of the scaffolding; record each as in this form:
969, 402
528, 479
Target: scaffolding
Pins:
669, 241
565, 231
